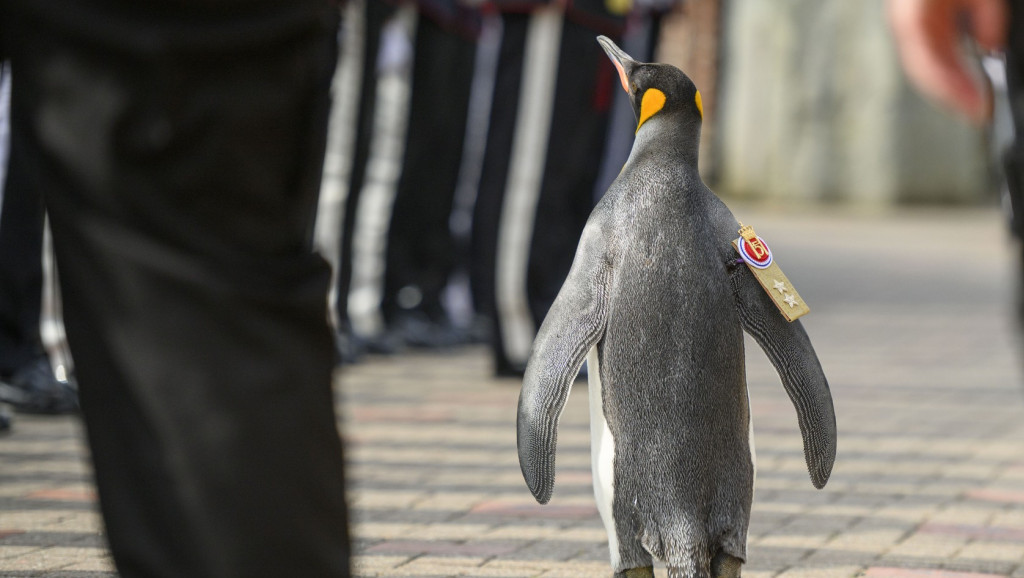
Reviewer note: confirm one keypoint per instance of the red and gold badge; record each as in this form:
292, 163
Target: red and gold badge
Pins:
754, 251
758, 257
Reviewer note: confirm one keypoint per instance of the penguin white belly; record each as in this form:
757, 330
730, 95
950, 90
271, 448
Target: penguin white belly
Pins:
602, 454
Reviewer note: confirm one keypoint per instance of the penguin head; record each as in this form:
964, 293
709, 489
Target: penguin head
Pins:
656, 89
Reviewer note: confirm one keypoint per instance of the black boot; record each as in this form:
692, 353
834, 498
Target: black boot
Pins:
33, 388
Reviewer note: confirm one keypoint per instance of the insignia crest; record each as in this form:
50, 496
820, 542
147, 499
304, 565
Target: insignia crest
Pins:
758, 257
753, 249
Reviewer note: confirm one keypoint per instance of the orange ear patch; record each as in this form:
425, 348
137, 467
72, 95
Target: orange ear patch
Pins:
653, 101
700, 104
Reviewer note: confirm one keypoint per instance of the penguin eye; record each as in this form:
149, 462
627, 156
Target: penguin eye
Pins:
633, 87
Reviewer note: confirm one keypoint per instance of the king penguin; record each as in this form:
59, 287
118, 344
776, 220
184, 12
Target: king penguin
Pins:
657, 303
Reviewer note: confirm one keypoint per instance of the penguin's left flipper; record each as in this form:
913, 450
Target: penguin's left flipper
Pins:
573, 325
790, 351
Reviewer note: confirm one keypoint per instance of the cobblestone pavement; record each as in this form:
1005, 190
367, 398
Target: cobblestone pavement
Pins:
910, 318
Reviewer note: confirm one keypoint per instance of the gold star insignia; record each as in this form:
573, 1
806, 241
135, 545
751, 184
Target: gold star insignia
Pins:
790, 300
780, 286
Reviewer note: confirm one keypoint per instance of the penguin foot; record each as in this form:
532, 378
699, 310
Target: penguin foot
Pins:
645, 572
725, 566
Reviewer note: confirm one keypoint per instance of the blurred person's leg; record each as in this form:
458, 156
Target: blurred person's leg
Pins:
27, 380
178, 148
586, 84
420, 255
5, 98
376, 14
493, 180
534, 200
21, 270
1014, 155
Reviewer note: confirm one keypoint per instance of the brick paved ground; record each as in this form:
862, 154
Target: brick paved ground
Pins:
910, 320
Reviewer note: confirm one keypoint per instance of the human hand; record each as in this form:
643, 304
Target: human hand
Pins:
928, 34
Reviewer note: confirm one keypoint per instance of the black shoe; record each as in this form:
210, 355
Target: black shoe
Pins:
35, 389
418, 330
349, 346
505, 368
387, 343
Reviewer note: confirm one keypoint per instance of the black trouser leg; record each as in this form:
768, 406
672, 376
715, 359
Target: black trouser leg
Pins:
377, 13
420, 248
575, 144
1014, 156
178, 149
21, 267
586, 81
494, 176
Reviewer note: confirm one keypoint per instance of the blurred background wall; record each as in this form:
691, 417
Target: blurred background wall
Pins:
808, 101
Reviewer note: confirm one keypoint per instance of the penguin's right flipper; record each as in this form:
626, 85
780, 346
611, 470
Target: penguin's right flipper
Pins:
790, 351
573, 325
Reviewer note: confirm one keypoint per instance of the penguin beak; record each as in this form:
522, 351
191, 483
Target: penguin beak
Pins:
622, 61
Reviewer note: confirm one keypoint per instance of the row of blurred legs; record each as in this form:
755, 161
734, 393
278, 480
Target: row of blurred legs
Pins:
461, 167
468, 174
180, 190
29, 379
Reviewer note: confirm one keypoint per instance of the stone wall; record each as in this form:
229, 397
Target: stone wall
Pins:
690, 39
810, 103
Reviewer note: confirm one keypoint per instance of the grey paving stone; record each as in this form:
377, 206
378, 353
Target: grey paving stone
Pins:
924, 372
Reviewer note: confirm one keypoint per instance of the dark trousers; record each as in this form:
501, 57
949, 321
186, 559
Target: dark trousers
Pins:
494, 173
178, 147
581, 101
21, 269
583, 96
1013, 157
420, 247
375, 17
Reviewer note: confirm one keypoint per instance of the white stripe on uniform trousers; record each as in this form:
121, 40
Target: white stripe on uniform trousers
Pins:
522, 189
5, 122
485, 68
341, 138
383, 169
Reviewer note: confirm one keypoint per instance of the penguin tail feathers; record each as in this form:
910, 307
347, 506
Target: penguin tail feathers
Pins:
684, 549
651, 540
